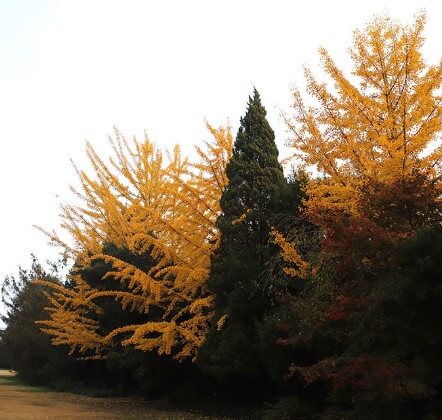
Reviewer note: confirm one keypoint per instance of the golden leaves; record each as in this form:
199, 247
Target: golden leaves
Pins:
382, 125
147, 204
221, 322
70, 321
298, 266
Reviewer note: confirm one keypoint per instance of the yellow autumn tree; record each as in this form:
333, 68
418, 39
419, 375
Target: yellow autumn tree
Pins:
145, 201
373, 137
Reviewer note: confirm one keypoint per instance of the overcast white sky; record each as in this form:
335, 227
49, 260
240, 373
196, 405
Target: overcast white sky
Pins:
71, 70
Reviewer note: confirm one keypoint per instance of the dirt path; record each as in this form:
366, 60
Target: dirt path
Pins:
19, 401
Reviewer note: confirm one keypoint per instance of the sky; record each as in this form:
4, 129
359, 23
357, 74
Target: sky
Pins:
72, 70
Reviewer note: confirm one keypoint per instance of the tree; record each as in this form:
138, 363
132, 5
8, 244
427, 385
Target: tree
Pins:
148, 203
240, 276
376, 131
25, 348
369, 307
126, 368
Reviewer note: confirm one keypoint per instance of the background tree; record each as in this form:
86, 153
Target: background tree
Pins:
127, 369
25, 348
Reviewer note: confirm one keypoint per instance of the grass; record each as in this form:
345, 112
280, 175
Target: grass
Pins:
8, 378
21, 401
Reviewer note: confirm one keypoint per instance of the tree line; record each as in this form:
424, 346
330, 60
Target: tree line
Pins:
220, 278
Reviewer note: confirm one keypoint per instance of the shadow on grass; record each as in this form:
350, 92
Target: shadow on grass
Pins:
8, 379
168, 407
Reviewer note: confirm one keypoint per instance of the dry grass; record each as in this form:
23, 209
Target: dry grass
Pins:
18, 401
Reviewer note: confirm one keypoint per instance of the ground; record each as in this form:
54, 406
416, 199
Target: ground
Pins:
19, 401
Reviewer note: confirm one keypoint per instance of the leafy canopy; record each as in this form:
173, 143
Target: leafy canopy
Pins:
147, 204
382, 124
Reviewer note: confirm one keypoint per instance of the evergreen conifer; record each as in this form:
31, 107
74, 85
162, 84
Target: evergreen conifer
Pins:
240, 277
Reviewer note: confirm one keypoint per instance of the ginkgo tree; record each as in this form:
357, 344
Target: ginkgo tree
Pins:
145, 201
373, 132
372, 143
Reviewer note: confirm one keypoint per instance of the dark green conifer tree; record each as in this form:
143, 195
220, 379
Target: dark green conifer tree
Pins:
241, 277
24, 347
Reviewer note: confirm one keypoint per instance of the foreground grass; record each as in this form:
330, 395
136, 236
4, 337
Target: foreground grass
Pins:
20, 401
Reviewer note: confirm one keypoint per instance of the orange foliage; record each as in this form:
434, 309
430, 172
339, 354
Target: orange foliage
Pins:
144, 203
373, 138
298, 267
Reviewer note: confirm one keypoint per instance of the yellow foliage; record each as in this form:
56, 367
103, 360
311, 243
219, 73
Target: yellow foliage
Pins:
299, 268
221, 322
381, 124
70, 321
241, 218
147, 202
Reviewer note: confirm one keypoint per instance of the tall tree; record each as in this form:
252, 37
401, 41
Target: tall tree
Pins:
240, 277
145, 204
375, 132
369, 307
